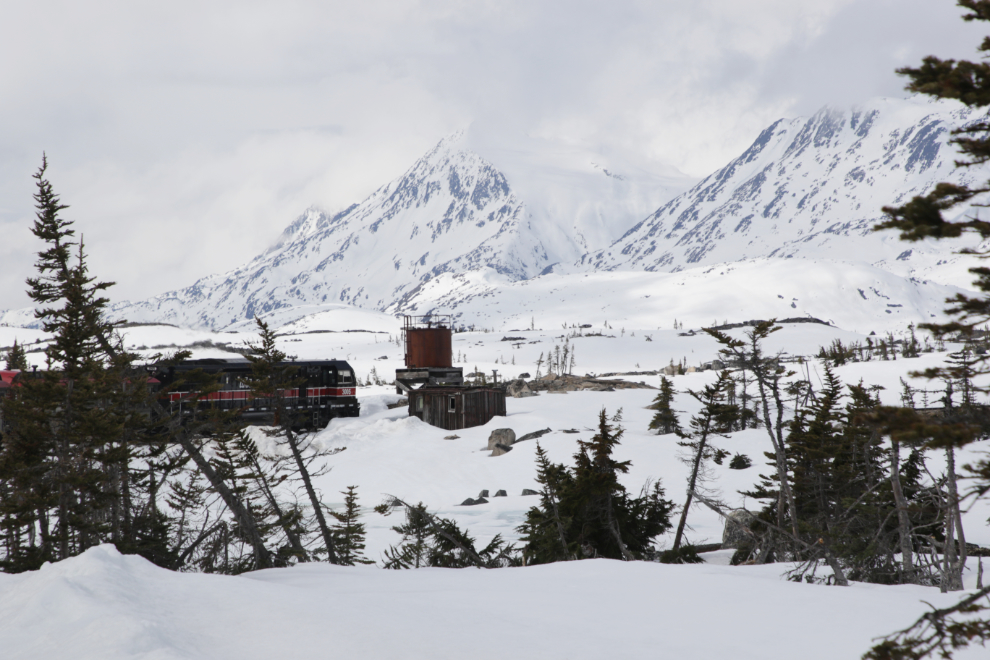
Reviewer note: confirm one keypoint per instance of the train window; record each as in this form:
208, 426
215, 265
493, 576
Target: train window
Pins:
452, 404
344, 375
419, 404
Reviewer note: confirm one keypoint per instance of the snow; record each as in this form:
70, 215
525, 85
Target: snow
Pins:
479, 213
814, 188
493, 233
854, 296
102, 605
105, 606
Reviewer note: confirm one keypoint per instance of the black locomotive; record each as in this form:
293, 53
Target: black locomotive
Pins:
328, 390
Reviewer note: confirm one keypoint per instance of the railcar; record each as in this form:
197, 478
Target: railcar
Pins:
328, 389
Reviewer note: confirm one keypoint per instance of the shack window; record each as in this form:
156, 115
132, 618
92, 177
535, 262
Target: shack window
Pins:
452, 404
419, 404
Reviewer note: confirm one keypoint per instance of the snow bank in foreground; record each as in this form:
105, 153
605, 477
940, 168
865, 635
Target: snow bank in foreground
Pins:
104, 606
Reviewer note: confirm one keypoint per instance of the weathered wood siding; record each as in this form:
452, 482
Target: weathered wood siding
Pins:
455, 408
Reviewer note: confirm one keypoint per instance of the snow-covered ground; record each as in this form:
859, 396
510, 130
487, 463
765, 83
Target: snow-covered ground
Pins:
102, 605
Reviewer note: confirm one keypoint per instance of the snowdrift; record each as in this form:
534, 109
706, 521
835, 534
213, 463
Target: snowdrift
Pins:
105, 606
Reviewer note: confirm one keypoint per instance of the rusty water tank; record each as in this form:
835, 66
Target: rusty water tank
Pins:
428, 342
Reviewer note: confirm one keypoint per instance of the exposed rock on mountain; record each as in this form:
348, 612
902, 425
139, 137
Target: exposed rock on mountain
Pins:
452, 212
812, 188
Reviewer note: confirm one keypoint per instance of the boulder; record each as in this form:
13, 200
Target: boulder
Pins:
501, 493
533, 436
527, 491
500, 449
518, 389
483, 494
501, 437
733, 535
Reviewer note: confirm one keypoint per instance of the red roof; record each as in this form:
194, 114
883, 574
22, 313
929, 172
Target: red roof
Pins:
7, 377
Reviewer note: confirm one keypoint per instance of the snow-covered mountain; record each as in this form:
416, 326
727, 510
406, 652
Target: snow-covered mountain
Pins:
474, 215
811, 188
453, 211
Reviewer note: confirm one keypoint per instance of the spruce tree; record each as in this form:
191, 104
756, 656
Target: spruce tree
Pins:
429, 540
586, 512
707, 424
16, 358
925, 217
413, 550
64, 419
349, 533
665, 420
544, 533
271, 378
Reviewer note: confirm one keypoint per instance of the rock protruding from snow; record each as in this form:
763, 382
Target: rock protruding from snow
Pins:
501, 437
734, 533
533, 436
567, 383
518, 389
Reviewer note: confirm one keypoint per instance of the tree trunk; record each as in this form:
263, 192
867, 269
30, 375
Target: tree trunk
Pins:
313, 499
953, 562
903, 521
283, 520
614, 527
262, 558
692, 482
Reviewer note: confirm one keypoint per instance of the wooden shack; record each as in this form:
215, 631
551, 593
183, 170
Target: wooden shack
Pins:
454, 408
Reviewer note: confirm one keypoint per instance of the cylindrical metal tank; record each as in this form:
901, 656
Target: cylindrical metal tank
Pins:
428, 347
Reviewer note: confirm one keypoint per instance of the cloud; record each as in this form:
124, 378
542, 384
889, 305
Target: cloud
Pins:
186, 135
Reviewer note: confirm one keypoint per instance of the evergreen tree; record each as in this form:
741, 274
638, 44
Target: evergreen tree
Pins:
711, 421
271, 378
925, 217
16, 358
349, 533
429, 540
768, 373
413, 550
586, 512
665, 420
63, 422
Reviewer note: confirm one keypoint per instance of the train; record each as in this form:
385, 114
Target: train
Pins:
328, 389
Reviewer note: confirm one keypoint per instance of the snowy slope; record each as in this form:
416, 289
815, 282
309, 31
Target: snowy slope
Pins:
811, 188
105, 606
854, 296
452, 212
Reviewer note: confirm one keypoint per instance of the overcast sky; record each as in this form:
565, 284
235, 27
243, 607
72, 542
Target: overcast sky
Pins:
186, 135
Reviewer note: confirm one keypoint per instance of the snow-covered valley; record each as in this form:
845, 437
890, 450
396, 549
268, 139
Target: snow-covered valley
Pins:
104, 605
530, 252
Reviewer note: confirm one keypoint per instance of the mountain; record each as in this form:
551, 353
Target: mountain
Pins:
453, 211
811, 188
477, 213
